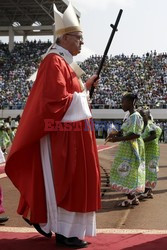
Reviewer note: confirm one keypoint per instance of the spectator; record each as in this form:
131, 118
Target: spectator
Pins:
2, 210
5, 141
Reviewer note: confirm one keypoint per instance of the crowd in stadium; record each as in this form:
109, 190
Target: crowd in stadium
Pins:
15, 68
146, 76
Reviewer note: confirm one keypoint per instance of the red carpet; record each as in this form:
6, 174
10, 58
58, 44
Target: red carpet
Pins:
105, 147
33, 241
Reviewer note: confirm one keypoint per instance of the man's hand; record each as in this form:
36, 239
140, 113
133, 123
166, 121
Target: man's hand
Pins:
94, 80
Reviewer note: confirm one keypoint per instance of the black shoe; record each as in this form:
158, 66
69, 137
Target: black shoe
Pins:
38, 228
73, 242
3, 219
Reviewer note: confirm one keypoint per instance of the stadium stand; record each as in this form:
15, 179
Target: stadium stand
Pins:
146, 76
15, 68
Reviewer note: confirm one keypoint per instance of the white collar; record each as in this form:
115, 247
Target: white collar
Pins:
62, 52
55, 48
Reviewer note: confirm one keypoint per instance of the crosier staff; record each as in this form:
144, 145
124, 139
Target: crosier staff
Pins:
107, 48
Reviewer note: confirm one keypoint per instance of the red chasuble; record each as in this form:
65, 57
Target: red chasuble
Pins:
76, 174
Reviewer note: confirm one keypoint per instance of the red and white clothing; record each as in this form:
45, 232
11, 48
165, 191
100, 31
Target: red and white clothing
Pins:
56, 167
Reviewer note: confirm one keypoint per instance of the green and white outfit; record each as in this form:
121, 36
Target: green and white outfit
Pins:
152, 154
128, 169
4, 139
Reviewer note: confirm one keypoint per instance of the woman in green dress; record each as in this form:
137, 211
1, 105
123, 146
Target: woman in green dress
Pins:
128, 169
151, 134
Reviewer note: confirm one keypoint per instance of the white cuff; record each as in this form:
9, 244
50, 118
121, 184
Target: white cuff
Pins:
78, 109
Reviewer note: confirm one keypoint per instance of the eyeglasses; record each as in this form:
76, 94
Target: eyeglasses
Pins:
80, 38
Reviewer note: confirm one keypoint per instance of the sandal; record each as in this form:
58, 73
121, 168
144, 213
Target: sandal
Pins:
135, 201
145, 195
128, 202
150, 194
125, 203
142, 196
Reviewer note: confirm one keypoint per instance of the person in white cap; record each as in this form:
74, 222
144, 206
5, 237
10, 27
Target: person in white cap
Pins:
53, 160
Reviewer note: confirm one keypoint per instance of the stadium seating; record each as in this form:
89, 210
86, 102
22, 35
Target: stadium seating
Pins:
145, 75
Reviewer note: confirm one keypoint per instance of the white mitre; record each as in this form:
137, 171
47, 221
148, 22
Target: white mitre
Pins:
66, 22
